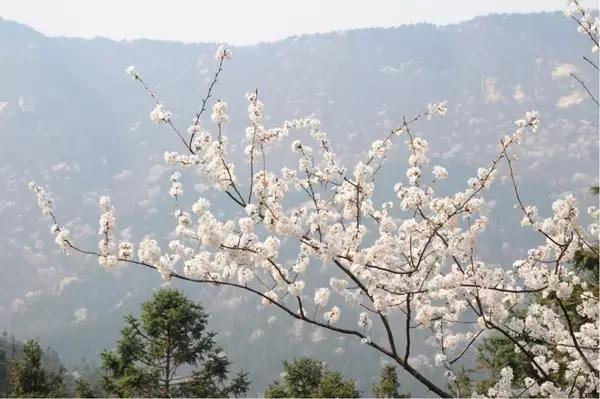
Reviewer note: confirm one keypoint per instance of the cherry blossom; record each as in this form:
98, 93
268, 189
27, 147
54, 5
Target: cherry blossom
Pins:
407, 266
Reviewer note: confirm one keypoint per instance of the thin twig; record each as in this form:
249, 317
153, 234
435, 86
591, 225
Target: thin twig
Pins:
582, 83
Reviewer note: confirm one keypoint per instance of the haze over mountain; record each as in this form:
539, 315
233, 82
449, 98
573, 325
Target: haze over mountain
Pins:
71, 119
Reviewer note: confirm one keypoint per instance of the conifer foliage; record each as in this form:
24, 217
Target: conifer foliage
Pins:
168, 352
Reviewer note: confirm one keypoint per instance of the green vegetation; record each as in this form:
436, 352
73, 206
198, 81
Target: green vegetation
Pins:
388, 384
29, 379
168, 352
309, 378
83, 389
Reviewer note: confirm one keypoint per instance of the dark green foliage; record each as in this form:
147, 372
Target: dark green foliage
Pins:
86, 381
306, 378
302, 376
83, 389
586, 262
4, 373
153, 352
29, 379
19, 361
276, 390
8, 350
388, 384
333, 385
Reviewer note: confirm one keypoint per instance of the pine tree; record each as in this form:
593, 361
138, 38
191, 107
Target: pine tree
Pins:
4, 373
83, 389
388, 384
153, 352
306, 377
333, 385
28, 377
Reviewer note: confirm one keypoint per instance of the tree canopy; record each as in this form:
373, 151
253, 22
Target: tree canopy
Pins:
168, 351
309, 378
29, 379
388, 385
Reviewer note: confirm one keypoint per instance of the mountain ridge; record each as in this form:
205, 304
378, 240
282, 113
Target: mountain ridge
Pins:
487, 17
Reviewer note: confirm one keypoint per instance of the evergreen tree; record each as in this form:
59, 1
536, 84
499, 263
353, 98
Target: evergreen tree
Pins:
4, 373
169, 338
86, 381
83, 389
6, 354
306, 377
388, 384
28, 377
333, 385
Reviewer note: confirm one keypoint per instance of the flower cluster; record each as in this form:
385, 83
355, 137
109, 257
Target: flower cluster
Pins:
223, 53
587, 23
149, 252
62, 240
43, 200
176, 189
219, 114
440, 108
439, 172
333, 316
159, 114
131, 71
321, 297
61, 234
106, 245
296, 288
125, 250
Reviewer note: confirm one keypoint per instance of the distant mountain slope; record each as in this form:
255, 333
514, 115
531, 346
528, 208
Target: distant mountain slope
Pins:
71, 119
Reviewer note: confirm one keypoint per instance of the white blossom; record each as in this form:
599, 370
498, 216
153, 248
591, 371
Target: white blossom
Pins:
321, 297
271, 296
364, 321
223, 53
333, 316
149, 251
201, 206
219, 114
159, 114
245, 275
439, 172
125, 250
62, 240
296, 288
131, 71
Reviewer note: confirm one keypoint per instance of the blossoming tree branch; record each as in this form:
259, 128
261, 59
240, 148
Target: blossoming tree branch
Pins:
406, 265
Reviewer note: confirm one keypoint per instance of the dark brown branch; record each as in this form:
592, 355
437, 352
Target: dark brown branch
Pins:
252, 157
204, 101
582, 83
591, 62
466, 348
575, 342
407, 328
392, 354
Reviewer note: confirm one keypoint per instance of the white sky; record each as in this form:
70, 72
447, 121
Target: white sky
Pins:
245, 21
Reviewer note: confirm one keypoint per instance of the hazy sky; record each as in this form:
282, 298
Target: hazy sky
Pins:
245, 21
